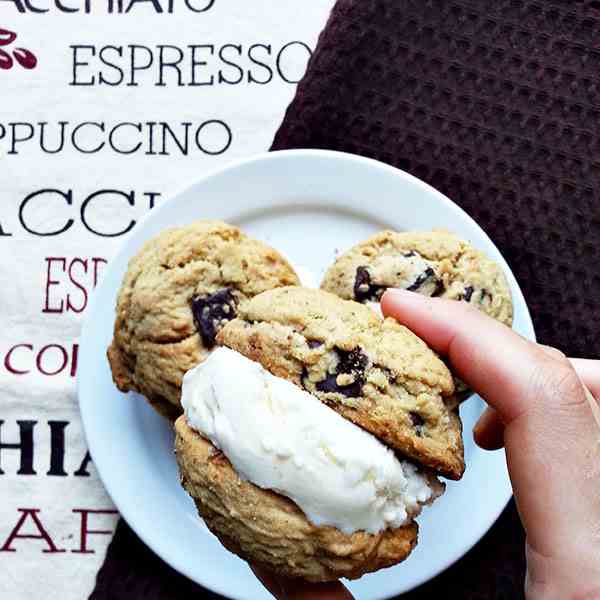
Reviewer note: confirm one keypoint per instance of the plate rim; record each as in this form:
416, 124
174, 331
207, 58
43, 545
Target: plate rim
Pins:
308, 153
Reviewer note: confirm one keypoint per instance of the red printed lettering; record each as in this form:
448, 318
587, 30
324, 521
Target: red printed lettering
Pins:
41, 534
50, 282
69, 282
8, 365
39, 361
84, 531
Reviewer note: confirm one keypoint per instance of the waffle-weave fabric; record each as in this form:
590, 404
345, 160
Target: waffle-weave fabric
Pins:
494, 103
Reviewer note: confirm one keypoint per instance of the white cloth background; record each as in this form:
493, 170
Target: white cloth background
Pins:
44, 279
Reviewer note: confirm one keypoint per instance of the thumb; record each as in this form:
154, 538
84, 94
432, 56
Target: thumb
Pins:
507, 370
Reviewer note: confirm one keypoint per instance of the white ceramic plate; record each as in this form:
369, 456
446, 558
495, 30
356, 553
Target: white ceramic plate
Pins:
310, 205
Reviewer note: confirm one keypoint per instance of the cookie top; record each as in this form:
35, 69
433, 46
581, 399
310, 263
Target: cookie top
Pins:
179, 290
374, 372
268, 529
433, 263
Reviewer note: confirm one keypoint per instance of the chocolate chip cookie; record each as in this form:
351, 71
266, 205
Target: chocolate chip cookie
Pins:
432, 263
374, 372
270, 530
178, 292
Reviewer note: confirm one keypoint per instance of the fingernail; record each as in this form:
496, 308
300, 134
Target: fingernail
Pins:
395, 292
403, 295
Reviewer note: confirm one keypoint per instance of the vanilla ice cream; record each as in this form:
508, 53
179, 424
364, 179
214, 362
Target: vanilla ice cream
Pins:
280, 437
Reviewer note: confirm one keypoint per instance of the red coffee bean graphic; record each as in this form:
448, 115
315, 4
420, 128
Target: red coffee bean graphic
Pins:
6, 61
25, 58
7, 37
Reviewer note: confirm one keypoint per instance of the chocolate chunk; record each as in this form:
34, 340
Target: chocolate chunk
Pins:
352, 363
439, 288
212, 312
418, 422
427, 276
388, 374
329, 385
467, 293
410, 254
314, 343
364, 289
416, 419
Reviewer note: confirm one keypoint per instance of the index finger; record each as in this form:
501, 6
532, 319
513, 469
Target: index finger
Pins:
496, 362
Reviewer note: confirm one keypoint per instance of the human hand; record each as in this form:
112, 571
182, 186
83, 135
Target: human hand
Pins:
541, 414
284, 588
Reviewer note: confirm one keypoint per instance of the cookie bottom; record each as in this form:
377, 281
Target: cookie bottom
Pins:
268, 529
121, 375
